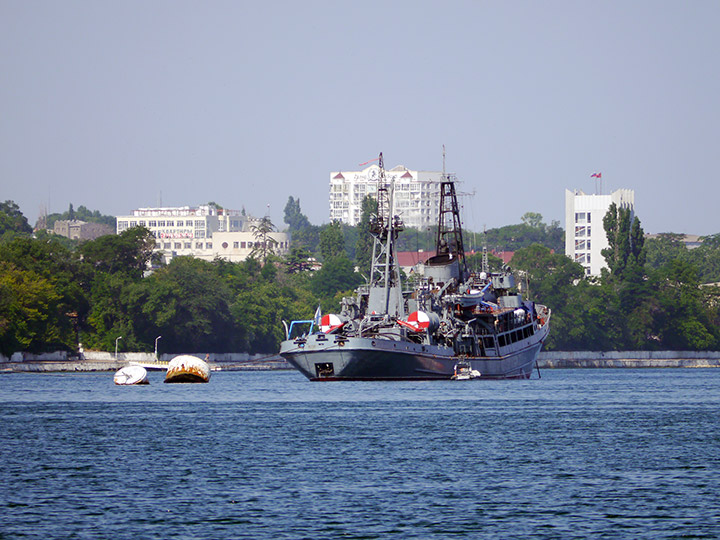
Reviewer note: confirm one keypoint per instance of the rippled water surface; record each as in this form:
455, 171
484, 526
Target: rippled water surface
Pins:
624, 454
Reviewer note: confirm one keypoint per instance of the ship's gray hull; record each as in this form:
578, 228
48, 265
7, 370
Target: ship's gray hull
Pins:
321, 357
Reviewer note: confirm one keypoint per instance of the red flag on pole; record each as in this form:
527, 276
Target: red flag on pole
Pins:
596, 175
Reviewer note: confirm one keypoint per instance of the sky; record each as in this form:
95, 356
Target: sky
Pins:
127, 104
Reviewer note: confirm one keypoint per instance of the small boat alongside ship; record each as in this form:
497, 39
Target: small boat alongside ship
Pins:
448, 318
465, 372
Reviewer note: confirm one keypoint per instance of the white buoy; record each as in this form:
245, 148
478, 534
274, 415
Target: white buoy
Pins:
131, 375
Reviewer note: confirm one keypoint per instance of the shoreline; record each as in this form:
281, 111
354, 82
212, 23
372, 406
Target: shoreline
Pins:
103, 361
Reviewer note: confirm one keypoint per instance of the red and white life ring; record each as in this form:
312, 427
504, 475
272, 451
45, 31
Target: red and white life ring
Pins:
330, 322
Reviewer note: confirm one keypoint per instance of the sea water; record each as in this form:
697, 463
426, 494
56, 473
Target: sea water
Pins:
626, 454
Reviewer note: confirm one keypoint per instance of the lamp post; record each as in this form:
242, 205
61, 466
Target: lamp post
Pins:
116, 342
156, 340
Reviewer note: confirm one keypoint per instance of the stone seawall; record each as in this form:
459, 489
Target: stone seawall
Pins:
106, 361
629, 359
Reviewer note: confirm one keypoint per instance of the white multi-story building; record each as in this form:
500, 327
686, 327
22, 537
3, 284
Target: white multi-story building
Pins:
182, 223
585, 236
417, 194
204, 232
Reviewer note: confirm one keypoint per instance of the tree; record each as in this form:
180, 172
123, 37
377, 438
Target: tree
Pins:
332, 240
662, 249
531, 231
30, 315
188, 303
128, 252
683, 320
547, 274
298, 260
83, 214
549, 278
12, 220
706, 258
296, 220
303, 234
336, 275
264, 243
532, 219
474, 262
625, 241
69, 278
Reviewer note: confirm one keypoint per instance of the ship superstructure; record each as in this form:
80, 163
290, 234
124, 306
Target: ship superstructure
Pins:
448, 316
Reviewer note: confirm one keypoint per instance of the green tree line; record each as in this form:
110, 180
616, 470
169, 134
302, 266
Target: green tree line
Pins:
82, 214
54, 295
636, 304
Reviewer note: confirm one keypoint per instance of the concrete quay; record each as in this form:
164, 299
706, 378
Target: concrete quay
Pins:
628, 359
105, 361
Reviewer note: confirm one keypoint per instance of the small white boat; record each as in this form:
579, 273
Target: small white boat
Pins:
186, 368
464, 372
131, 375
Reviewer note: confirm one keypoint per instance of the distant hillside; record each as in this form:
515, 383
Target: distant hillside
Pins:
531, 231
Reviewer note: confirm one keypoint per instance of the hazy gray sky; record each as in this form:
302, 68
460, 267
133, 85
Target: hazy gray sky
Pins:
113, 105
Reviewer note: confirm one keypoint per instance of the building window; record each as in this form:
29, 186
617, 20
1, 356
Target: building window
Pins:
141, 222
225, 245
187, 245
208, 245
242, 245
178, 245
198, 245
582, 217
170, 223
152, 223
236, 245
133, 224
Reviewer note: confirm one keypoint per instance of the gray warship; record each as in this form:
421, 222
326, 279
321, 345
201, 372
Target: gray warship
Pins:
448, 318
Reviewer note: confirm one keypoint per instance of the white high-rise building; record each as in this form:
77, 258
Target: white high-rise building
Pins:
585, 236
417, 194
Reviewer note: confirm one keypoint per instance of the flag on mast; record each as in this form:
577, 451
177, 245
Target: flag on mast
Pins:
363, 164
596, 175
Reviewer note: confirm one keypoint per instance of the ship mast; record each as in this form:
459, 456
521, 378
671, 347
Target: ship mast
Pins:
385, 293
449, 242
